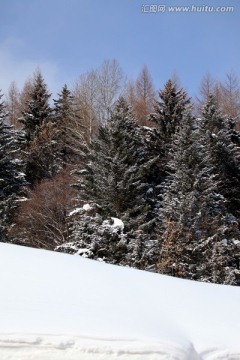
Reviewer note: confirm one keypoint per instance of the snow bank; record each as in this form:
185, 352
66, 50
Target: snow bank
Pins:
63, 307
73, 348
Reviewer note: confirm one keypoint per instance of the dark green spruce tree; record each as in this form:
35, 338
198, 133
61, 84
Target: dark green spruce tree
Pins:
169, 110
113, 183
11, 175
224, 147
38, 110
36, 132
69, 130
199, 235
168, 115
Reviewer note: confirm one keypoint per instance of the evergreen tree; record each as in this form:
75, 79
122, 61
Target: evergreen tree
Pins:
169, 113
199, 235
114, 180
93, 237
112, 177
42, 155
69, 134
11, 175
168, 117
35, 134
224, 147
38, 110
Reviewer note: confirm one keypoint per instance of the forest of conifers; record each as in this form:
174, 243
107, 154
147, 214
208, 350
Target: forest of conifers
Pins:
116, 171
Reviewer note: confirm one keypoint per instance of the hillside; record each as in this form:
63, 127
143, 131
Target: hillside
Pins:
63, 307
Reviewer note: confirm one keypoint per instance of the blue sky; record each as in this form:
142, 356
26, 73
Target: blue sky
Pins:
68, 37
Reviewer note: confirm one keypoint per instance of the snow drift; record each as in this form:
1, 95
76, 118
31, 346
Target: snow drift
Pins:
63, 307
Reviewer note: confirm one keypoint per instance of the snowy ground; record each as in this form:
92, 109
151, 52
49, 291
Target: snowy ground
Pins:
62, 307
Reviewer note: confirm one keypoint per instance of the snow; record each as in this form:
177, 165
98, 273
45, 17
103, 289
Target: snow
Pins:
87, 207
63, 307
225, 242
150, 191
75, 211
83, 252
236, 242
117, 223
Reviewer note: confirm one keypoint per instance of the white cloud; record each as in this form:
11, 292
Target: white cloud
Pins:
14, 66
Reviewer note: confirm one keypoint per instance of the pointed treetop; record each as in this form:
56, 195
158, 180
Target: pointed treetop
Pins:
169, 110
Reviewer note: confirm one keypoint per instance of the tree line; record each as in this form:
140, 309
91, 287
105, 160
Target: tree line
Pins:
118, 172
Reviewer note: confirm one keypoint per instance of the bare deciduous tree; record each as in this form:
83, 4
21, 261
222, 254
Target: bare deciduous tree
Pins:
141, 96
110, 85
25, 94
42, 219
96, 92
208, 86
227, 94
13, 105
230, 90
86, 93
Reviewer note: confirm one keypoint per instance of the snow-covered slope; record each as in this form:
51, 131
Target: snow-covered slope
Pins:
63, 307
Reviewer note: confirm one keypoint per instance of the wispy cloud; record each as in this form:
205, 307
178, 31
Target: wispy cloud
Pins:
14, 66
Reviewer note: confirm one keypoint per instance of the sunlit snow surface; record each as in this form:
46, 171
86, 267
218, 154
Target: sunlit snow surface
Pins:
63, 307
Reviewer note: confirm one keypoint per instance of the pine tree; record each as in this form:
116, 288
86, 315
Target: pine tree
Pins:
199, 235
11, 175
93, 237
35, 134
38, 109
69, 134
42, 155
168, 117
114, 183
169, 112
112, 175
224, 147
191, 187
